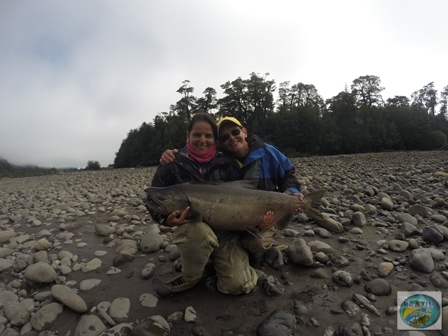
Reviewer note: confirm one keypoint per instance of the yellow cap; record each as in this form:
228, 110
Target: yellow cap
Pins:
223, 120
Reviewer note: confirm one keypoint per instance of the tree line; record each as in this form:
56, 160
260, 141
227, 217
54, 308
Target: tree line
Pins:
299, 121
8, 170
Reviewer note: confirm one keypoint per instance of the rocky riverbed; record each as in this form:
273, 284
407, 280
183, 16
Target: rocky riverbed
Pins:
79, 255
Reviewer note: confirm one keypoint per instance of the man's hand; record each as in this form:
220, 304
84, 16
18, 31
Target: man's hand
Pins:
177, 219
267, 221
168, 156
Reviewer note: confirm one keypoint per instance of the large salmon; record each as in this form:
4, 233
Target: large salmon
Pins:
229, 206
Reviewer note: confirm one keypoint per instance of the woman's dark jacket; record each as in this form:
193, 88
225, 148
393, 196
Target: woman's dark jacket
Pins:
221, 168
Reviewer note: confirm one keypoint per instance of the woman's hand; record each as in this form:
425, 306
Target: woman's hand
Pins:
267, 221
300, 197
177, 219
168, 156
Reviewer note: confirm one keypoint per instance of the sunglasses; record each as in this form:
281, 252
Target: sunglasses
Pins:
235, 132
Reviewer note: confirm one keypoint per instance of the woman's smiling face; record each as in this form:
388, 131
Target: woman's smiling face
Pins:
201, 136
235, 143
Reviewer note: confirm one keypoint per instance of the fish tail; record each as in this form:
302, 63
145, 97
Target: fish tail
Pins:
316, 195
314, 199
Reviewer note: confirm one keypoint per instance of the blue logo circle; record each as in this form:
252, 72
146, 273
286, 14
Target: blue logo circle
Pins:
420, 311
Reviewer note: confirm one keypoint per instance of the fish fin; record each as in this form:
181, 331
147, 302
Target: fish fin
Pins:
314, 214
194, 216
283, 221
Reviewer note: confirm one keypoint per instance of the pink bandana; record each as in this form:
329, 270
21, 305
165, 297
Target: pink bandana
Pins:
203, 156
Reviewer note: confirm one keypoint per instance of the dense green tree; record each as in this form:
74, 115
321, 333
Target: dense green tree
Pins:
250, 100
444, 101
236, 100
261, 93
348, 121
435, 140
209, 102
299, 94
93, 165
331, 137
398, 101
367, 90
439, 122
283, 96
426, 98
373, 127
142, 147
310, 129
305, 95
411, 124
186, 106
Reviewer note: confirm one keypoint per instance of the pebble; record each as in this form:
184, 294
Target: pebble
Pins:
90, 325
378, 287
46, 316
421, 260
342, 278
398, 245
351, 308
40, 272
279, 323
409, 229
88, 284
359, 219
385, 268
300, 252
154, 325
69, 298
119, 309
432, 235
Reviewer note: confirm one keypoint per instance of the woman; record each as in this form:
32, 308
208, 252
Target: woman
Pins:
196, 241
258, 161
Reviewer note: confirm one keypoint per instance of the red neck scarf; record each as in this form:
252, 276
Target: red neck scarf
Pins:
203, 156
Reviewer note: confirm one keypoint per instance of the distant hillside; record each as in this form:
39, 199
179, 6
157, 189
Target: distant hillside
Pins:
5, 165
10, 170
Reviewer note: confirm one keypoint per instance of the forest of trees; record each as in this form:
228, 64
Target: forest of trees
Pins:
300, 122
10, 170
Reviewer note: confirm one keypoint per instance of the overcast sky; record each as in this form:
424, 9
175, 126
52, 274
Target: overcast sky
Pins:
77, 76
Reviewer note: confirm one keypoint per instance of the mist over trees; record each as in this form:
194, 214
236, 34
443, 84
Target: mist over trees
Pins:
9, 170
296, 118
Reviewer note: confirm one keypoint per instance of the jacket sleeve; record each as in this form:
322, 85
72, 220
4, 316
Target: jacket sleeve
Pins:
289, 181
160, 179
286, 178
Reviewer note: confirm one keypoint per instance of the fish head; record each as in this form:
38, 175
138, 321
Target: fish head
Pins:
166, 200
